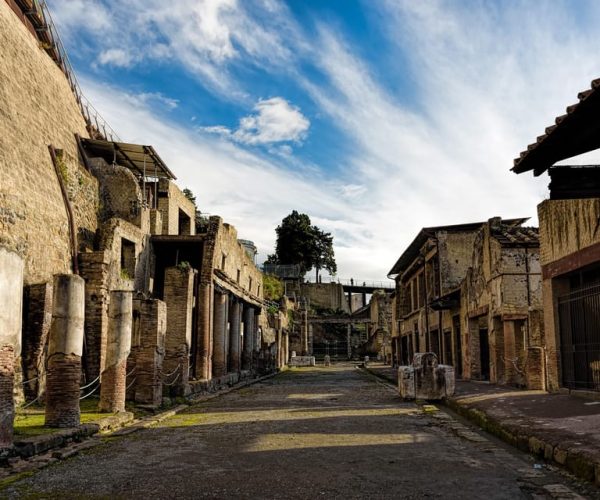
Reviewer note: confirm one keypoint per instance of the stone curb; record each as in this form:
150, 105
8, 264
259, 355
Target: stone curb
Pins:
580, 462
36, 452
36, 445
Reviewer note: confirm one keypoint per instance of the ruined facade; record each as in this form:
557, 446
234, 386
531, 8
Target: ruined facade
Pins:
501, 307
159, 309
428, 279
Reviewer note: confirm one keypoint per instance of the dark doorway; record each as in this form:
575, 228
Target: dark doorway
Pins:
405, 352
448, 347
457, 346
484, 353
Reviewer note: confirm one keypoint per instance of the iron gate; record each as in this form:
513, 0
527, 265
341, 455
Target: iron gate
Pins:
336, 349
579, 316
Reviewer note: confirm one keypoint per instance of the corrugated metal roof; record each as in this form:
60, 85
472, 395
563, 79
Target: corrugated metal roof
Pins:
141, 160
574, 133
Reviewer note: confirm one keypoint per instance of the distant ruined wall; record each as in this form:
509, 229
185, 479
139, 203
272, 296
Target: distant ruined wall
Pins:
326, 295
37, 108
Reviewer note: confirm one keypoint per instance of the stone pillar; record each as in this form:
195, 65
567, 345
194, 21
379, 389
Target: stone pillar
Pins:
11, 304
304, 335
65, 347
179, 297
151, 352
510, 352
248, 337
114, 383
348, 337
279, 362
219, 361
552, 289
204, 332
235, 362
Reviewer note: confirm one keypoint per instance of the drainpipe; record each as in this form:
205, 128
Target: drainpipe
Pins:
69, 209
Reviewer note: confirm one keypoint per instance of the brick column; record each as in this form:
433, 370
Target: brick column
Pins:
93, 267
204, 331
248, 337
65, 348
179, 297
235, 338
114, 383
219, 359
11, 304
151, 351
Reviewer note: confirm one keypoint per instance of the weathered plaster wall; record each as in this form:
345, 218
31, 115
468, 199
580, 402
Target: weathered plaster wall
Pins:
231, 259
455, 252
567, 226
326, 295
37, 108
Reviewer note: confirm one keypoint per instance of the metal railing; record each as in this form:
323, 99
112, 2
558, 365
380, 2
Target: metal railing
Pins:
385, 285
96, 124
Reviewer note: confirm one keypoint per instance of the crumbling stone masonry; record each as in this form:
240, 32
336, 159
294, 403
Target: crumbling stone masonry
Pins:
65, 348
37, 316
114, 376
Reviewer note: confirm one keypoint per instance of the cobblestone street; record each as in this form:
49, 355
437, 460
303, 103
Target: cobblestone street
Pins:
332, 432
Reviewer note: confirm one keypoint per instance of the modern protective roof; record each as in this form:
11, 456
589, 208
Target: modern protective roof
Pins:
141, 160
574, 133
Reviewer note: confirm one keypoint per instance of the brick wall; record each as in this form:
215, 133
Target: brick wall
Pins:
37, 108
170, 201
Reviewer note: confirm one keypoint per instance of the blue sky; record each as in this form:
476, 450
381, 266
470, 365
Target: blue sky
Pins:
374, 117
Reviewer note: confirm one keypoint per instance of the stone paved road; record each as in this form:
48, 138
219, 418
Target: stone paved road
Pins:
308, 433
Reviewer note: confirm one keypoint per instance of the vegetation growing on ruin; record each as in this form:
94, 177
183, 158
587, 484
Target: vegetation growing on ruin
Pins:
272, 287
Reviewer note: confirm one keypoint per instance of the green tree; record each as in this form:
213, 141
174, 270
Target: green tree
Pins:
301, 243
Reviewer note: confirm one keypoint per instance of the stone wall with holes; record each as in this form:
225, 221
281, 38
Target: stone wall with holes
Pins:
37, 108
232, 263
171, 201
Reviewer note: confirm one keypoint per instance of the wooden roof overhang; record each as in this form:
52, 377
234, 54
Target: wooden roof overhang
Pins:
574, 133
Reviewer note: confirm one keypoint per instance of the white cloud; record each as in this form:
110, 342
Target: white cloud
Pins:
116, 57
275, 120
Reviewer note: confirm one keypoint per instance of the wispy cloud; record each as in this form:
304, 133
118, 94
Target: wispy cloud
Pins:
205, 36
485, 79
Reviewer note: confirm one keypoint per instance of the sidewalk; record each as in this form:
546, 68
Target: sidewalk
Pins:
556, 427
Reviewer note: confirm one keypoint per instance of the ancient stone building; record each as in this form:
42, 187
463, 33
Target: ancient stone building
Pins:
428, 278
570, 244
501, 307
75, 200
